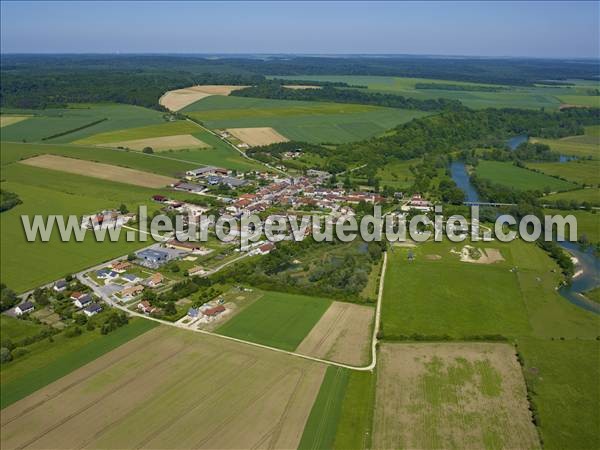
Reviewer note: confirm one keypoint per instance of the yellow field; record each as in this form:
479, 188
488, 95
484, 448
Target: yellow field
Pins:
171, 388
301, 86
343, 334
180, 98
451, 395
177, 142
99, 170
9, 120
257, 136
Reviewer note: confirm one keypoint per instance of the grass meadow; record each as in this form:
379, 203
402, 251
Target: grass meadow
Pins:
47, 362
277, 319
580, 172
316, 122
588, 222
14, 329
150, 131
511, 176
590, 195
583, 146
563, 382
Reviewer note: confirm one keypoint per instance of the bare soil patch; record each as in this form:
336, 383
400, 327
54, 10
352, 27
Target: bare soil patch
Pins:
257, 136
177, 142
433, 257
459, 395
99, 170
342, 334
180, 98
9, 120
474, 255
171, 388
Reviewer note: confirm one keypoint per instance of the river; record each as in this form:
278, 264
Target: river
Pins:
587, 267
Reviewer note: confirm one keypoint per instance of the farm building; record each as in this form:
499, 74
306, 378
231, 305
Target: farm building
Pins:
92, 310
24, 308
207, 171
214, 311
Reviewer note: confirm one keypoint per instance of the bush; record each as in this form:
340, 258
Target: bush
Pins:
73, 332
5, 355
19, 351
148, 150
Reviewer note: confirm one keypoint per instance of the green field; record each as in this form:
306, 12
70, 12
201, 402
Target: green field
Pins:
590, 195
511, 176
320, 428
593, 294
563, 380
151, 131
277, 319
47, 362
588, 223
513, 97
447, 296
581, 172
14, 329
582, 146
356, 418
450, 297
49, 122
25, 265
315, 122
593, 101
13, 152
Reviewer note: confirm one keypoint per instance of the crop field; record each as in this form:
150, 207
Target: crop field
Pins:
302, 121
99, 170
6, 120
343, 334
177, 142
257, 136
581, 172
321, 426
180, 98
514, 177
151, 131
592, 101
14, 152
467, 395
507, 97
563, 376
189, 391
65, 123
47, 362
277, 319
590, 195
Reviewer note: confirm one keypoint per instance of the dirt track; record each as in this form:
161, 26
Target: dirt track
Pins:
99, 170
171, 389
180, 98
257, 136
343, 334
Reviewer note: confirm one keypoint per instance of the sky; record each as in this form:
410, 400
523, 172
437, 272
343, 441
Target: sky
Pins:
522, 29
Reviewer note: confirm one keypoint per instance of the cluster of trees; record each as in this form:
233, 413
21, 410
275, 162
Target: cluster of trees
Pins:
275, 90
8, 200
8, 297
114, 320
186, 288
342, 273
527, 151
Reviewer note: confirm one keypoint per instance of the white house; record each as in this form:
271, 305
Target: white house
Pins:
24, 308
